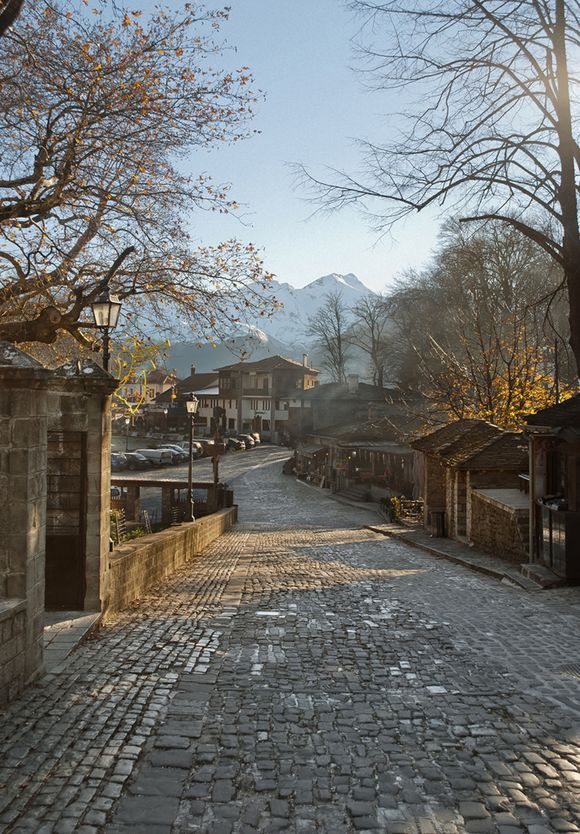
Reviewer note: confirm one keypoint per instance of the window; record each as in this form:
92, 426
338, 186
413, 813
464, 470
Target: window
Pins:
265, 405
254, 405
200, 421
231, 423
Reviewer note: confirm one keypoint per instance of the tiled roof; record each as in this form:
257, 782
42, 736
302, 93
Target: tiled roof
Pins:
158, 376
563, 414
338, 390
270, 363
194, 382
508, 451
458, 440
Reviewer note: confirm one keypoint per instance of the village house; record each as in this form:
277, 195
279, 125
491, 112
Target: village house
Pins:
554, 488
338, 403
264, 396
471, 479
366, 459
145, 387
168, 411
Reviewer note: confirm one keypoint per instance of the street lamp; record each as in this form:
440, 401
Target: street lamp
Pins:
106, 309
191, 405
127, 424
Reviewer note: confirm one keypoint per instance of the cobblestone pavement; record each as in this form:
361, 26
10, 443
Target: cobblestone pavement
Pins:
307, 675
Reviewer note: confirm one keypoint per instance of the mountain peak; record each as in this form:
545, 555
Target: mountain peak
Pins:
335, 281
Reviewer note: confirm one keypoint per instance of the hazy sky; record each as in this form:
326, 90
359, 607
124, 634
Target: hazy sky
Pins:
301, 55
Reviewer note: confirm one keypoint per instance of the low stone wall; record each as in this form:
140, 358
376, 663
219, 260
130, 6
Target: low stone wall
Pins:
498, 528
14, 655
139, 564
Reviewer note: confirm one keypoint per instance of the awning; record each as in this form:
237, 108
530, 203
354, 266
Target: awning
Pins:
388, 447
310, 451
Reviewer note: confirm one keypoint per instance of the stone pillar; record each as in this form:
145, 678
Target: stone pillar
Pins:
132, 502
23, 421
80, 402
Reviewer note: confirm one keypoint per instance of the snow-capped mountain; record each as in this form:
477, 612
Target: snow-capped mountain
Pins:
299, 304
284, 333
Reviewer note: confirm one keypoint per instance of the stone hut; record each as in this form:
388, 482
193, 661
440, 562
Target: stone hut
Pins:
462, 457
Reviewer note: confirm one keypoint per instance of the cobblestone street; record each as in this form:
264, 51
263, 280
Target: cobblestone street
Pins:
311, 676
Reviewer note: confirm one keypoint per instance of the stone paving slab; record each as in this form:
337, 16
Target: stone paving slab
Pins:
63, 632
307, 675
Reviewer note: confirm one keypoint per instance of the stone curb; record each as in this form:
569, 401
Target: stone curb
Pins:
522, 582
495, 573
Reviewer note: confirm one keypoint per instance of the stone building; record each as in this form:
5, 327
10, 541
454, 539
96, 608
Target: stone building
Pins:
266, 394
471, 472
54, 494
339, 404
554, 444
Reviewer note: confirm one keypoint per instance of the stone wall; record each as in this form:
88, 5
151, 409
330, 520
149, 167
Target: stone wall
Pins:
435, 487
499, 529
14, 670
139, 564
491, 479
23, 419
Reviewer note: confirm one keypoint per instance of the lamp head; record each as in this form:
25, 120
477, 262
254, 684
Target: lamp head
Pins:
106, 309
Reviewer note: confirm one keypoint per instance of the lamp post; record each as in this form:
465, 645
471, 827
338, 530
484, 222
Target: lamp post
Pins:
106, 309
127, 424
191, 404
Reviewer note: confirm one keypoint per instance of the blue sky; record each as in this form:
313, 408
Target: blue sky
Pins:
301, 55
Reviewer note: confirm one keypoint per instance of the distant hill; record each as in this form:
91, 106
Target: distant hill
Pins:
253, 345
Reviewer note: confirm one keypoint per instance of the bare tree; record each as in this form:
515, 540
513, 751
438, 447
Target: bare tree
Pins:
492, 129
490, 354
369, 333
97, 112
328, 328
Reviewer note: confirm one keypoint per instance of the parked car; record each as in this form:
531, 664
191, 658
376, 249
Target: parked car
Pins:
248, 440
178, 455
197, 449
206, 444
158, 457
234, 444
257, 438
137, 461
118, 461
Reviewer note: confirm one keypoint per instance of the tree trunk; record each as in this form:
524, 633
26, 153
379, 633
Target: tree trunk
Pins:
567, 188
573, 283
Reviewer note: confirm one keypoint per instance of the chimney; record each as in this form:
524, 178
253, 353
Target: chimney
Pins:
305, 359
352, 383
192, 370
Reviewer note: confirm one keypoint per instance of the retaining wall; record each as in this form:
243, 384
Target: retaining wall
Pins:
136, 566
498, 528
